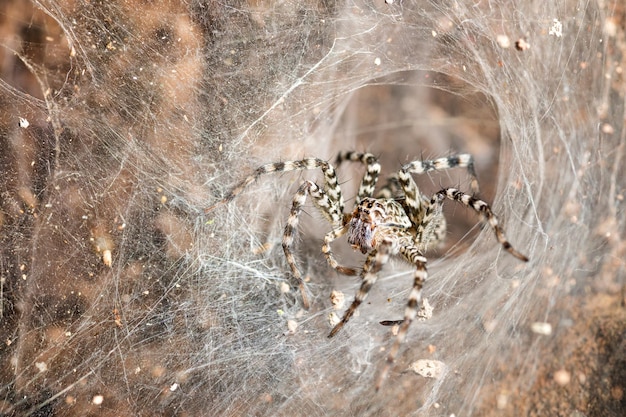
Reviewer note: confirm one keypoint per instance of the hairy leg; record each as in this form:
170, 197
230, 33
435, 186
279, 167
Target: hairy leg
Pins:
484, 211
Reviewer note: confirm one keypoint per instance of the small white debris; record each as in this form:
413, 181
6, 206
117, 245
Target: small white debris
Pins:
610, 27
556, 29
333, 319
541, 328
562, 377
490, 325
502, 400
103, 244
504, 41
428, 368
377, 61
607, 128
522, 44
97, 399
389, 1
174, 386
23, 123
337, 299
426, 311
292, 325
107, 258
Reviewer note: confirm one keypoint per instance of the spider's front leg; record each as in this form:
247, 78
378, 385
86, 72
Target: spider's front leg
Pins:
484, 210
327, 251
331, 184
328, 208
373, 264
329, 200
412, 254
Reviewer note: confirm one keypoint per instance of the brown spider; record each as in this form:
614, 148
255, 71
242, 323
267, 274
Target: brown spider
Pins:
382, 227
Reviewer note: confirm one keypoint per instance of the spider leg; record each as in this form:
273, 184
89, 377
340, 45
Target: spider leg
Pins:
331, 184
391, 322
368, 183
324, 203
373, 264
414, 200
391, 189
432, 227
411, 254
327, 251
484, 211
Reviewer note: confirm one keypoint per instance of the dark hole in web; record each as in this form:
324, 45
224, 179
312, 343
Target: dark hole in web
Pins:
420, 115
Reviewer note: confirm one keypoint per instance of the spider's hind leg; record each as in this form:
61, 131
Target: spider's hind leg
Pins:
368, 183
391, 189
327, 251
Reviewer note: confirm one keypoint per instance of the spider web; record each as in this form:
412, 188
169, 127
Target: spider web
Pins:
122, 121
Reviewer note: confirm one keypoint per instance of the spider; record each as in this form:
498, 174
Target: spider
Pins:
398, 221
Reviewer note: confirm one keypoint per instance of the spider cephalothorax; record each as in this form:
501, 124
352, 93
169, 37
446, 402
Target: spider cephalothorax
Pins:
400, 221
371, 219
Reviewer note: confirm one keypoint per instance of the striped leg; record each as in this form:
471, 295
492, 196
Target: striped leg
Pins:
391, 189
334, 213
414, 200
411, 254
432, 228
324, 203
374, 263
484, 210
366, 189
327, 251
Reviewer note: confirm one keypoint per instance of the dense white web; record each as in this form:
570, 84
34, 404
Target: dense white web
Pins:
123, 121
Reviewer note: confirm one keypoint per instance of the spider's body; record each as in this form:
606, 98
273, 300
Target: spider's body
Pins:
375, 220
400, 221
